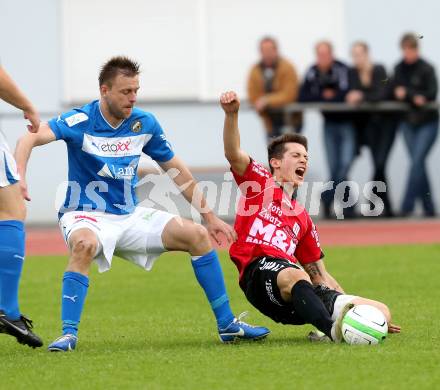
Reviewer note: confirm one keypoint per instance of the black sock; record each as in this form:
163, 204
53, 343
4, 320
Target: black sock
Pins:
308, 305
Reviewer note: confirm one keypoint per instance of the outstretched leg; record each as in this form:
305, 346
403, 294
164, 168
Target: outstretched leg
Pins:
184, 235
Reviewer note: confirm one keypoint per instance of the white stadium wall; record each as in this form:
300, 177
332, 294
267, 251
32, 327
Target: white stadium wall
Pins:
191, 50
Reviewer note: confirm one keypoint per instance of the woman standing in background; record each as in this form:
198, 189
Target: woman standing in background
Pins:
376, 130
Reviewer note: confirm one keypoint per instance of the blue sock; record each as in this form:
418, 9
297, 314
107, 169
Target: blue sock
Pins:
11, 263
210, 276
73, 296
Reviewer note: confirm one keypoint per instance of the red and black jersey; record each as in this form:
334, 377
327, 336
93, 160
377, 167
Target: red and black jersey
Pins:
268, 223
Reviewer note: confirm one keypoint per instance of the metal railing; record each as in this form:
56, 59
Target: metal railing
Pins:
325, 107
383, 106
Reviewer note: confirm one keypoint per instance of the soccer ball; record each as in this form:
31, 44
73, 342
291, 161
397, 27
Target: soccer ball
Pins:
364, 324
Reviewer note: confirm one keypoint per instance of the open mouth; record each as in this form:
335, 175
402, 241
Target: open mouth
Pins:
300, 172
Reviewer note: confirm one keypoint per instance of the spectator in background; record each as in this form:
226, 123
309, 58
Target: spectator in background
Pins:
327, 81
273, 83
415, 82
376, 130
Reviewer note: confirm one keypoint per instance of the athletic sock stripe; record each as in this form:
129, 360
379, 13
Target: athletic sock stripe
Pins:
219, 301
70, 323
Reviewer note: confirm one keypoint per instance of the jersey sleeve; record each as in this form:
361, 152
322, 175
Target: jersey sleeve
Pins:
308, 249
254, 172
158, 147
64, 125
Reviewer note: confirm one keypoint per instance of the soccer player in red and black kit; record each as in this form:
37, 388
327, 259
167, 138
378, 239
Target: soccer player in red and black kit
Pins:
277, 253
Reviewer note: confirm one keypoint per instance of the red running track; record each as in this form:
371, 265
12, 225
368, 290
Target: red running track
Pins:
48, 241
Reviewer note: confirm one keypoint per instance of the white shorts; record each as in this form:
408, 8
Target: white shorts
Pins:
136, 237
8, 167
340, 302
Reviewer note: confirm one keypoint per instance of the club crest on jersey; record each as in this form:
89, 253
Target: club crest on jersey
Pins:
136, 127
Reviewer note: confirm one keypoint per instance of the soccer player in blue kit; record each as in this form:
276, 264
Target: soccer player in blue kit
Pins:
100, 216
12, 215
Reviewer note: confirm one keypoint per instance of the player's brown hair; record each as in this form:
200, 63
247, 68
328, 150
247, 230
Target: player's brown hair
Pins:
117, 65
277, 148
409, 40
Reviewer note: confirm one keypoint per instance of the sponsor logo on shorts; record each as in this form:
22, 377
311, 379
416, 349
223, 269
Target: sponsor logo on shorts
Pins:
148, 215
269, 291
92, 223
86, 217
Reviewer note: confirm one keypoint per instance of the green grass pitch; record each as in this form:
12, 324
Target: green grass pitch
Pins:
155, 330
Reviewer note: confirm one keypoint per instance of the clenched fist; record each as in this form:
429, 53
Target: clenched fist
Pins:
230, 102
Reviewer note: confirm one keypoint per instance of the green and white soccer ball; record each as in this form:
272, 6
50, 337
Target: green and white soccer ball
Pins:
364, 324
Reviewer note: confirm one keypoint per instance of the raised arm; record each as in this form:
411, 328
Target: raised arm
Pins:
319, 275
188, 185
10, 93
237, 157
24, 148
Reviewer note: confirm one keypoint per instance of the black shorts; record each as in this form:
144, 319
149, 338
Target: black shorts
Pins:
261, 289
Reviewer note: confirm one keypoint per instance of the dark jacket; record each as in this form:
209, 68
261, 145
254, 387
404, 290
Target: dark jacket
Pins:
419, 79
315, 82
378, 90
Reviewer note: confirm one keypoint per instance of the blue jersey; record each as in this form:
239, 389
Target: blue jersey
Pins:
103, 160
